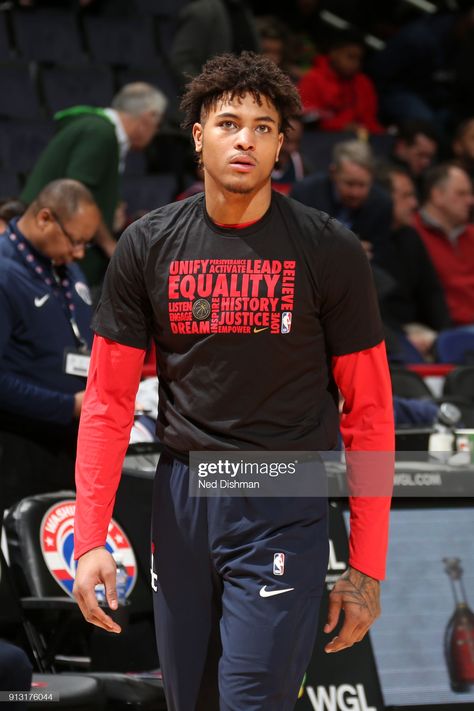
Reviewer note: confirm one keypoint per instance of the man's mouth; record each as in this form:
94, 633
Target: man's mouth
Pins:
244, 163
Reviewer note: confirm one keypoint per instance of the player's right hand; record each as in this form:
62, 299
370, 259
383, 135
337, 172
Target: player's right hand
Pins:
95, 567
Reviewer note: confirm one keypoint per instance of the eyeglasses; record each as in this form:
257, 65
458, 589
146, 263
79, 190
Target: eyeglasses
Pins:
75, 243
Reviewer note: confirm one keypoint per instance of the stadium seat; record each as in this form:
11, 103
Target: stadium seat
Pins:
160, 7
318, 146
406, 383
456, 345
46, 35
9, 183
159, 76
67, 85
148, 192
135, 164
6, 52
459, 388
21, 142
166, 30
121, 41
18, 92
76, 693
39, 532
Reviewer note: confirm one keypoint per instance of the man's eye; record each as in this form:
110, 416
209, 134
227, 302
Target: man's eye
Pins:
227, 124
263, 128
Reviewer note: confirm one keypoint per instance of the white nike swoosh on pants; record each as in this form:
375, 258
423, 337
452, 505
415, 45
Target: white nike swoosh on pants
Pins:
269, 593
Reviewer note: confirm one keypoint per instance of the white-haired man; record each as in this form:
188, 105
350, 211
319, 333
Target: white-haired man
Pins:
90, 146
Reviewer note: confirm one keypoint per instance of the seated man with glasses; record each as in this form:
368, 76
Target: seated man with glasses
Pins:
45, 313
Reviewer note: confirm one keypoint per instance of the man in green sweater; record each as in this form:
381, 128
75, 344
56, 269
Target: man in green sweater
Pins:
90, 146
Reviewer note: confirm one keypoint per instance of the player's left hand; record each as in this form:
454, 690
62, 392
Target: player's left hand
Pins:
359, 596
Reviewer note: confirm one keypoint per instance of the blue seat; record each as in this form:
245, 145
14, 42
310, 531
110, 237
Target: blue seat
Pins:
9, 183
159, 76
121, 41
6, 52
21, 142
456, 345
317, 146
46, 35
18, 92
148, 192
66, 85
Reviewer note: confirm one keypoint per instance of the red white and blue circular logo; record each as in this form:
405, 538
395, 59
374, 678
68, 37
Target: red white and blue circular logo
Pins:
57, 545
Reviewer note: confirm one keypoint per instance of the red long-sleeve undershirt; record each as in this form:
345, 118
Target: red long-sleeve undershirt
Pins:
107, 418
367, 429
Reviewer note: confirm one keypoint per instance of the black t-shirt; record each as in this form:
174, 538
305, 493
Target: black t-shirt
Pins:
245, 322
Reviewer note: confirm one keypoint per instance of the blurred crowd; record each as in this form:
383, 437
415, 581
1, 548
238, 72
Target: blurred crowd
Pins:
384, 143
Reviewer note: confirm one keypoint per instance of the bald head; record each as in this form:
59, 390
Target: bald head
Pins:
61, 220
64, 197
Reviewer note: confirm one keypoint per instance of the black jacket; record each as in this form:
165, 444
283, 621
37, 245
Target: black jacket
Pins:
371, 223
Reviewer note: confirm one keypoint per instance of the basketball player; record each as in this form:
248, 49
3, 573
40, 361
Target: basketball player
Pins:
261, 309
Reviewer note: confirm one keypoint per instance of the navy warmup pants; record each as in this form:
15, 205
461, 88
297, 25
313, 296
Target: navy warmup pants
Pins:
226, 641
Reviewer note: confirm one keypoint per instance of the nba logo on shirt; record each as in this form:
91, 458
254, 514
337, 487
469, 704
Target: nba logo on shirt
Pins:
278, 564
286, 322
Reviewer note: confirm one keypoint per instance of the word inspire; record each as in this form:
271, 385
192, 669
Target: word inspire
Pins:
231, 296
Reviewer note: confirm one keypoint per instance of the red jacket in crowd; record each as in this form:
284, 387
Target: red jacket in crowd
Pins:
339, 101
454, 263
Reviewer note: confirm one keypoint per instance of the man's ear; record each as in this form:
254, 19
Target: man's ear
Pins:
197, 137
281, 138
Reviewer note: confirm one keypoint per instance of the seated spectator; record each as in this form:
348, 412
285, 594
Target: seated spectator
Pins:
335, 93
463, 147
292, 166
45, 314
417, 307
207, 28
415, 149
9, 208
443, 224
414, 72
90, 146
276, 43
350, 194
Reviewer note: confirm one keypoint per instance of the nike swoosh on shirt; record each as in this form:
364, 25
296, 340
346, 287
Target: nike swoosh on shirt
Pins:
270, 593
257, 330
40, 300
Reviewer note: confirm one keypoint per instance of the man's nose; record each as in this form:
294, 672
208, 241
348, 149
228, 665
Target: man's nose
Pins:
245, 139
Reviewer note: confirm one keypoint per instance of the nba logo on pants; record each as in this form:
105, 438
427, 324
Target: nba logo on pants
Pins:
278, 564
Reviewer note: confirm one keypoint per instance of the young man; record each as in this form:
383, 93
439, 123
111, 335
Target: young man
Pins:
258, 306
336, 93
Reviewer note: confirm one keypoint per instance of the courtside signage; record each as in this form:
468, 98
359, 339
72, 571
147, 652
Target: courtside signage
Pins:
57, 545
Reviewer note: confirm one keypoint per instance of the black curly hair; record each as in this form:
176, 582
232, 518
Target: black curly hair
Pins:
230, 75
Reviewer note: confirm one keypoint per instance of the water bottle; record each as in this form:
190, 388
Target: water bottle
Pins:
441, 442
122, 580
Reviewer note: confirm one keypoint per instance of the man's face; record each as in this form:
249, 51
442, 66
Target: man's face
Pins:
353, 184
239, 142
64, 240
419, 155
464, 147
147, 125
347, 61
292, 141
454, 197
273, 48
404, 199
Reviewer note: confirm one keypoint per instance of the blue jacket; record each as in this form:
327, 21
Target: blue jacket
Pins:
34, 333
